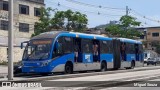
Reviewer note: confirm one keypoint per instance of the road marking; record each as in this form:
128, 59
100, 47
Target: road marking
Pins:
108, 88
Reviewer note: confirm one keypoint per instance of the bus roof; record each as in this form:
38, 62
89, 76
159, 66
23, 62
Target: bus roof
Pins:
91, 36
54, 34
51, 34
129, 40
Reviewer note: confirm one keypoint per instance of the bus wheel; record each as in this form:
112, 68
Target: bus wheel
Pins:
68, 68
103, 67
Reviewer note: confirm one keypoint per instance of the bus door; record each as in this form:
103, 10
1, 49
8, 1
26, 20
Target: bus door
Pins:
96, 51
123, 51
137, 52
77, 50
87, 55
116, 52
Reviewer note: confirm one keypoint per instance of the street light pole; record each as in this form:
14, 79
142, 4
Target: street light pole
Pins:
10, 41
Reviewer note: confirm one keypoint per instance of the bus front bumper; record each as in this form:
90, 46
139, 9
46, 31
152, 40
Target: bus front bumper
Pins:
27, 69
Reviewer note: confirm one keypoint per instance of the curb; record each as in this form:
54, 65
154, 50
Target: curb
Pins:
2, 77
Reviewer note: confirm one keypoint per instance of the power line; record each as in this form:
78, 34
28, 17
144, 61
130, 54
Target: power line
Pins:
143, 16
141, 20
93, 12
101, 7
95, 6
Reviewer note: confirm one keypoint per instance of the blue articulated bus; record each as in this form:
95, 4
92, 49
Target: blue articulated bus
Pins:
60, 51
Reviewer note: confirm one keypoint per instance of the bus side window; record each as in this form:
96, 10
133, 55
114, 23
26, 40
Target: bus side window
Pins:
130, 48
104, 47
58, 49
123, 50
140, 48
110, 46
87, 46
68, 45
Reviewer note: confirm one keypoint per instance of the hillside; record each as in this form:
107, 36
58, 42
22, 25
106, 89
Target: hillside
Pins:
102, 26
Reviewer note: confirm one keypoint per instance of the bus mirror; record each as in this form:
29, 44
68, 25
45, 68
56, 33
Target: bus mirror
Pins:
23, 43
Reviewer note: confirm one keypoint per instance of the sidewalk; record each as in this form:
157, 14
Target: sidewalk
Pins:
3, 71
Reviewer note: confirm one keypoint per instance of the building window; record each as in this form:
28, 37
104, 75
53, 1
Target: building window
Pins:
36, 11
24, 9
155, 34
4, 25
23, 27
4, 5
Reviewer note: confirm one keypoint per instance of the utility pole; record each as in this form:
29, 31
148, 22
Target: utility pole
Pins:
127, 10
10, 41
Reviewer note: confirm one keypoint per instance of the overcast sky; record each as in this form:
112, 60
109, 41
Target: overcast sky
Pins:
146, 11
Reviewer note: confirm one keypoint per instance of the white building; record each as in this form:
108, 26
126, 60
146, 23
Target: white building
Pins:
26, 13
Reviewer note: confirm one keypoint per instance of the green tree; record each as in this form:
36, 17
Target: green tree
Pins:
71, 20
114, 30
80, 23
58, 20
129, 21
124, 29
44, 21
61, 20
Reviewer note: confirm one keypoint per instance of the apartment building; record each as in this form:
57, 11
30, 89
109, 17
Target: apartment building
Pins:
26, 13
151, 36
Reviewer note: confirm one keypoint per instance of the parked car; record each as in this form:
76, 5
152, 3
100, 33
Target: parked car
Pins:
152, 61
145, 60
18, 68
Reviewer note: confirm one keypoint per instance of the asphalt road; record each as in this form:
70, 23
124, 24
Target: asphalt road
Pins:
96, 82
146, 86
132, 88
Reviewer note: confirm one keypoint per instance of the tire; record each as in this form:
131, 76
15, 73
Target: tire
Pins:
103, 67
68, 69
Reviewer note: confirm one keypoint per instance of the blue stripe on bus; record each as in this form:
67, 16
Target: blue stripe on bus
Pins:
107, 57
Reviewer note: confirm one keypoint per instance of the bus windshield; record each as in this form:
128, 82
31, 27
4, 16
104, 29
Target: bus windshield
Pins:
37, 50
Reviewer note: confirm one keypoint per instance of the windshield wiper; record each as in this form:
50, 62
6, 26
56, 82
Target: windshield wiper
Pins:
42, 56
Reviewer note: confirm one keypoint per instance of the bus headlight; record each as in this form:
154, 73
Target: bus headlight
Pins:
45, 63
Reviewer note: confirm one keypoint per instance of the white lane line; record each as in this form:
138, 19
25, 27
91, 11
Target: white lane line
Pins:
108, 88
